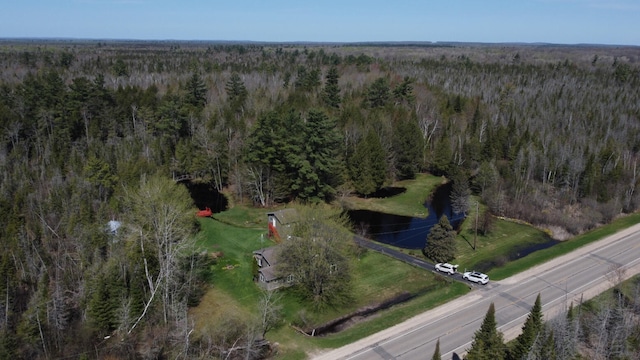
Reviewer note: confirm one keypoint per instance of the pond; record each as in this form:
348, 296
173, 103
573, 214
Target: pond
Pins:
405, 231
205, 195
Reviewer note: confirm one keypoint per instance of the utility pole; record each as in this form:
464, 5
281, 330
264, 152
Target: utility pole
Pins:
475, 237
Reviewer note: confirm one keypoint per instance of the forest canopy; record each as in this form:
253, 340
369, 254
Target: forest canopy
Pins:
546, 134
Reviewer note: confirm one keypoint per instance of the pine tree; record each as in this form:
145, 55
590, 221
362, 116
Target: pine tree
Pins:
368, 165
530, 331
436, 353
196, 90
319, 172
378, 94
407, 145
403, 92
331, 93
236, 92
441, 246
441, 163
487, 341
103, 304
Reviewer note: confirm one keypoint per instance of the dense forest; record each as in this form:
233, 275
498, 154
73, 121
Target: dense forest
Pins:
93, 132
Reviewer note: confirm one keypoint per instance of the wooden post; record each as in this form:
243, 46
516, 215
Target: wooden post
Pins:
475, 236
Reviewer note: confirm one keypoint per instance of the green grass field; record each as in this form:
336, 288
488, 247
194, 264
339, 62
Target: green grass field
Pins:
493, 249
376, 278
409, 203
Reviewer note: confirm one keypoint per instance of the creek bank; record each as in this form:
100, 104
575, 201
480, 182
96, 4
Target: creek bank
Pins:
344, 322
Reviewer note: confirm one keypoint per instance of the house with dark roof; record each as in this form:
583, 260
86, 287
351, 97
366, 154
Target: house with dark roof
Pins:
268, 276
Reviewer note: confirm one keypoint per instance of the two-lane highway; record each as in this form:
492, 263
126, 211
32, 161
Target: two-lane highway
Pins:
571, 278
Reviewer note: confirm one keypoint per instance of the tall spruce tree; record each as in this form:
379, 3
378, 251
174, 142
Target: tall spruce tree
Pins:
196, 90
319, 168
403, 92
331, 91
488, 343
236, 92
442, 155
379, 93
441, 245
530, 331
367, 165
407, 145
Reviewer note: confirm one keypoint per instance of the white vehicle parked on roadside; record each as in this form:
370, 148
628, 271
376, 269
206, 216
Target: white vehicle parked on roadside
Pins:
446, 268
476, 277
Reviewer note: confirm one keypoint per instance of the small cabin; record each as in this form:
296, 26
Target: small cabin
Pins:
281, 222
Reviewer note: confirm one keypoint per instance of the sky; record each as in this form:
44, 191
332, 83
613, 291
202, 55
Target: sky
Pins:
614, 22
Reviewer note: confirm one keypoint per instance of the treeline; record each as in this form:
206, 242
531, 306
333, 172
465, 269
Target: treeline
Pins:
554, 142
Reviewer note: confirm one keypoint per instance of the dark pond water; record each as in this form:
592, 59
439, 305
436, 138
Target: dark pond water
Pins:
405, 231
514, 254
205, 195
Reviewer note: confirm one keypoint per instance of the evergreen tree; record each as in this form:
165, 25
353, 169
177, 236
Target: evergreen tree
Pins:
487, 343
302, 79
331, 93
441, 245
403, 92
436, 352
441, 163
530, 331
196, 91
367, 165
407, 144
120, 68
236, 92
103, 303
319, 169
378, 94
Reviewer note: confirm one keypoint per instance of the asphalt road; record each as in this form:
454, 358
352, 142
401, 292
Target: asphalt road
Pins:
571, 278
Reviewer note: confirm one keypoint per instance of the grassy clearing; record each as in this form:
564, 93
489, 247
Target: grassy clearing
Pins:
243, 217
376, 278
493, 249
409, 203
233, 271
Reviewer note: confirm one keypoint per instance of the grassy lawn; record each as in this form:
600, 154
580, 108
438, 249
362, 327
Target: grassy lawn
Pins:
409, 203
376, 278
244, 217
